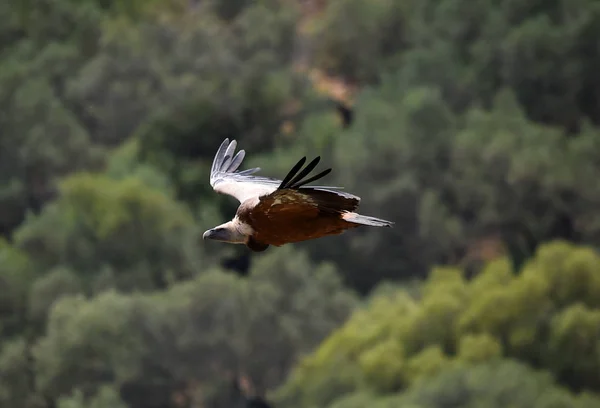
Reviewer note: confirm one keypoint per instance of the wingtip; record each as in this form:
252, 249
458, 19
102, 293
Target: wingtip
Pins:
220, 156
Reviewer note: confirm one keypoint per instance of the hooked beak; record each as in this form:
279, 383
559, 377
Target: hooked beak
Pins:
217, 234
208, 234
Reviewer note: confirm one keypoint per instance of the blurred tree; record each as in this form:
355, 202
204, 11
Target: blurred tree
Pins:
544, 54
178, 344
49, 288
239, 87
477, 134
87, 344
17, 377
106, 397
545, 316
17, 274
40, 141
461, 189
121, 230
355, 37
492, 385
41, 136
383, 159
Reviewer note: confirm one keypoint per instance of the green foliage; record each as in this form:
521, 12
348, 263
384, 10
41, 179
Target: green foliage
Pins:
16, 377
548, 313
16, 278
474, 130
192, 332
40, 138
106, 397
490, 174
492, 385
96, 332
542, 53
383, 159
475, 348
41, 135
124, 163
237, 90
124, 230
51, 287
355, 36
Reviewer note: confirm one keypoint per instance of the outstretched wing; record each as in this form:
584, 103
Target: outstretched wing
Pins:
225, 179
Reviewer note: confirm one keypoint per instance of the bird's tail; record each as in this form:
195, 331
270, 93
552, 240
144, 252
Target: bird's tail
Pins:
366, 220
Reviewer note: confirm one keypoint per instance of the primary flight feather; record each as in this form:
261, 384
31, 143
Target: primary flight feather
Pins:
277, 212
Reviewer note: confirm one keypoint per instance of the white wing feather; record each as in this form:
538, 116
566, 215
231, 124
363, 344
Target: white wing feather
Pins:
242, 185
225, 179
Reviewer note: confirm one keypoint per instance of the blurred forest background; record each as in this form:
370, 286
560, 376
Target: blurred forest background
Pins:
474, 125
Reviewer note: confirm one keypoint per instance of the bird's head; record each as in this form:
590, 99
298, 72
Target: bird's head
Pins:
226, 233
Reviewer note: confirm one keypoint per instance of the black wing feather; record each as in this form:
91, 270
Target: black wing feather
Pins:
291, 173
293, 179
304, 172
313, 178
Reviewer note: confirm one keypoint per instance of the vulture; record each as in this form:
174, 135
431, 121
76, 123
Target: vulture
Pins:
277, 212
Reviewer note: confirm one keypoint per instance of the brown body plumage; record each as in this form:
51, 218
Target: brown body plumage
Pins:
277, 212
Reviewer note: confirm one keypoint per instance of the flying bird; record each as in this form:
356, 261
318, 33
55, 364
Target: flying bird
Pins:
277, 212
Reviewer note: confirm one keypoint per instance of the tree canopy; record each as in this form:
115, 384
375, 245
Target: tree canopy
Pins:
473, 125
